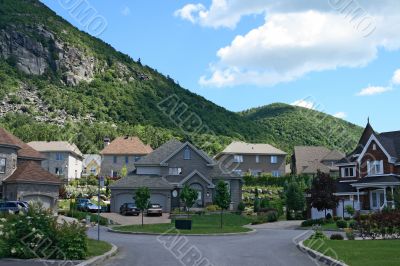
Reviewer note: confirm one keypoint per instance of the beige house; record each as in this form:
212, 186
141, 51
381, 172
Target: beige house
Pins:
122, 152
254, 159
62, 158
91, 165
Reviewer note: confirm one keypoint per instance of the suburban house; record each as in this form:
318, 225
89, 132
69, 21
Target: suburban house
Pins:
168, 169
91, 164
255, 159
61, 158
122, 152
21, 174
308, 160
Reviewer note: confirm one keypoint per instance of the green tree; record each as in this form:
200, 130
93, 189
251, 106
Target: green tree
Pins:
222, 197
322, 192
142, 197
295, 200
124, 171
188, 196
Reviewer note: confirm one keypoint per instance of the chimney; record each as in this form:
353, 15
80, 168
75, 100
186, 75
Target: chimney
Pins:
106, 142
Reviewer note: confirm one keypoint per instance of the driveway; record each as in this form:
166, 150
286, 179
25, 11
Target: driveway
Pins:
269, 247
129, 220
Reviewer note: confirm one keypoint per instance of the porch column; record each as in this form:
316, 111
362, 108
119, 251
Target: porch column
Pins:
393, 203
358, 198
384, 195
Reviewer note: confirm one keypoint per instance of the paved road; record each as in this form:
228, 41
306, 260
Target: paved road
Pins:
266, 247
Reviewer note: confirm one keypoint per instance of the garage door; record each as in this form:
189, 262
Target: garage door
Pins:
44, 200
121, 199
159, 199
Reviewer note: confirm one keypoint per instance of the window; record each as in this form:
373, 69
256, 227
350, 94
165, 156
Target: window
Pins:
257, 159
175, 171
76, 174
127, 159
375, 167
186, 154
2, 165
137, 158
256, 172
276, 173
59, 156
114, 174
274, 159
59, 171
115, 159
238, 158
348, 172
374, 147
237, 171
93, 170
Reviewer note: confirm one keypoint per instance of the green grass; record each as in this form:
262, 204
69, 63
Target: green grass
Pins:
204, 224
360, 253
97, 248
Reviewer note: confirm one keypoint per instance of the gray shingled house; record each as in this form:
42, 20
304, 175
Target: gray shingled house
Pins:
167, 169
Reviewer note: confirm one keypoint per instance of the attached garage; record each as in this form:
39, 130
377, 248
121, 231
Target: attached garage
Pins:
159, 199
46, 201
122, 198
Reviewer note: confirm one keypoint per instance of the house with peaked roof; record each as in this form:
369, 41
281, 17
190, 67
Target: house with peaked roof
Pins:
168, 169
122, 152
308, 160
253, 159
369, 174
62, 158
91, 165
21, 174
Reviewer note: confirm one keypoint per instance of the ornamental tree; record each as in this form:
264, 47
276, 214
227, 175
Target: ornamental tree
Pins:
188, 196
222, 197
142, 199
322, 192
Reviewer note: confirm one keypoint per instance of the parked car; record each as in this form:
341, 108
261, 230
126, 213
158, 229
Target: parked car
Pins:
91, 207
81, 203
154, 209
129, 209
10, 206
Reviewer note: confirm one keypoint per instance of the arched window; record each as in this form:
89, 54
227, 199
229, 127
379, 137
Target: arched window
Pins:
187, 154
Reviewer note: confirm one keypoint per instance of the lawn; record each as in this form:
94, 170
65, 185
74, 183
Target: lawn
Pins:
202, 224
360, 252
97, 248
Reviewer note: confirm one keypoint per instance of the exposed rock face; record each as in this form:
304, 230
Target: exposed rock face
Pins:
36, 55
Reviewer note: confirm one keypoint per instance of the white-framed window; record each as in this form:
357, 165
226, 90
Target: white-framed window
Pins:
238, 172
175, 171
348, 172
257, 158
59, 171
93, 170
375, 167
274, 159
3, 165
187, 154
276, 173
238, 158
374, 147
59, 156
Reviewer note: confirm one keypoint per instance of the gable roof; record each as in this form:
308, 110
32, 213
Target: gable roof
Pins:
238, 147
307, 156
24, 150
136, 181
87, 158
32, 172
126, 146
195, 172
334, 155
159, 154
56, 146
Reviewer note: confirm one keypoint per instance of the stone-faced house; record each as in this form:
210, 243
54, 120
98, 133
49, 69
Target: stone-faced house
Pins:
21, 174
254, 159
61, 158
122, 152
371, 172
167, 169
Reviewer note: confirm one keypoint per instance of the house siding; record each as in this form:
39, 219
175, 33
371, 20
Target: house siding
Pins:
10, 155
265, 166
69, 164
108, 165
377, 155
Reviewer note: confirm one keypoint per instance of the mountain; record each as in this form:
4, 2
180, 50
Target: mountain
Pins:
59, 83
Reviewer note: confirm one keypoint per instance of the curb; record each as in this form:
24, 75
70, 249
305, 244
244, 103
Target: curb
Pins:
319, 256
163, 234
101, 258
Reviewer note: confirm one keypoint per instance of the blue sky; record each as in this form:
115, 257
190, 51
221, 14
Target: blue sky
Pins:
244, 54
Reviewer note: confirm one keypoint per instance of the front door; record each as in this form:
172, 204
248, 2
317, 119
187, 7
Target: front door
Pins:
377, 199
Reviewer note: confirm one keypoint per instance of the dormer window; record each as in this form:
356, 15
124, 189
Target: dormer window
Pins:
187, 154
375, 167
348, 172
2, 165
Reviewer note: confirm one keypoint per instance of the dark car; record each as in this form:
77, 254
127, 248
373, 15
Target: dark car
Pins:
91, 207
129, 209
154, 209
10, 206
81, 204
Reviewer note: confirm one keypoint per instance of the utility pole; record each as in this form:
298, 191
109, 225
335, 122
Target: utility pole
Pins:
101, 183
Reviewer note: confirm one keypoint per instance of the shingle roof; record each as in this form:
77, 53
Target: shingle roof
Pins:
391, 142
238, 147
127, 145
379, 179
24, 151
32, 172
161, 153
136, 181
314, 167
342, 187
55, 146
308, 156
334, 155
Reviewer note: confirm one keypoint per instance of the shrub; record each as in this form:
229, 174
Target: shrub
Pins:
68, 234
241, 207
336, 218
341, 224
350, 234
350, 210
82, 215
329, 216
318, 235
261, 219
257, 205
264, 204
352, 224
311, 222
272, 216
212, 208
336, 237
379, 225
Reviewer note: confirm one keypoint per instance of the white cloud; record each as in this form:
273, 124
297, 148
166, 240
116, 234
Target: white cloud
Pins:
126, 11
340, 115
306, 104
373, 90
297, 37
396, 77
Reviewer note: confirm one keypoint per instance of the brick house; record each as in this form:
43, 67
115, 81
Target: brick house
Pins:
170, 167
